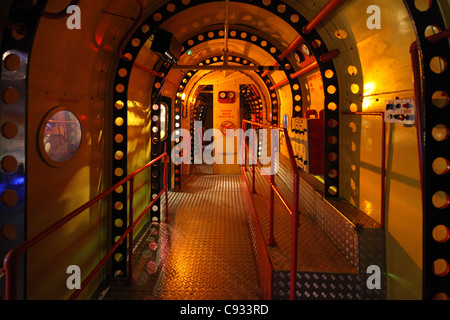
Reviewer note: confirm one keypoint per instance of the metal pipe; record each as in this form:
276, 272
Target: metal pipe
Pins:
265, 73
271, 242
253, 182
305, 70
279, 84
166, 183
439, 36
324, 58
383, 160
312, 66
323, 13
294, 45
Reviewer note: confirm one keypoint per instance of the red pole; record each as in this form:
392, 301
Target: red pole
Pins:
324, 58
294, 245
323, 13
254, 186
297, 74
166, 183
130, 279
294, 45
244, 127
271, 241
439, 36
305, 70
279, 84
11, 267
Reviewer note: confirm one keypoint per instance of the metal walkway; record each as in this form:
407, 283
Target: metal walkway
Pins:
204, 253
316, 251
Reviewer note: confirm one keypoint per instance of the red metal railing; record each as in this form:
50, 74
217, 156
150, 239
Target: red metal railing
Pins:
262, 256
274, 190
10, 263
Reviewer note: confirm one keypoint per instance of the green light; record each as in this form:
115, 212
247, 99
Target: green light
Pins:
189, 52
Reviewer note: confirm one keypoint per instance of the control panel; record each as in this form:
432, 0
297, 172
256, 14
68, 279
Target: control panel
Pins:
402, 111
299, 141
308, 145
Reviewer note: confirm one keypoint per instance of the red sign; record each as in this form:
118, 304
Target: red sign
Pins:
227, 125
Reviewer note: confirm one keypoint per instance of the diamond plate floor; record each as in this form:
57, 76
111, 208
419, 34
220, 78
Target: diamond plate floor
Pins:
204, 253
316, 251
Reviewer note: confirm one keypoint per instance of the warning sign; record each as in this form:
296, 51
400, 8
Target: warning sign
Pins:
227, 125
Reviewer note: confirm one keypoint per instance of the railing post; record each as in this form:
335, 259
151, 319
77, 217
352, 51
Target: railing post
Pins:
166, 186
253, 185
272, 241
244, 126
130, 279
295, 225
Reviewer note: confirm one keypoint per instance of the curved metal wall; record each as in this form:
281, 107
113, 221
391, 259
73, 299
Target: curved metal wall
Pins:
435, 117
15, 51
297, 22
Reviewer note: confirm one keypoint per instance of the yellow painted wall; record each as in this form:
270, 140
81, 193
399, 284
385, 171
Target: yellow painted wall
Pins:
387, 73
139, 136
382, 72
80, 83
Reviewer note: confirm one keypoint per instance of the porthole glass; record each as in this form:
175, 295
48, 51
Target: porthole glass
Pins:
60, 136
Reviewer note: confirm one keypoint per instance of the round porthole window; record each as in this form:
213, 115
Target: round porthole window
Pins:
60, 137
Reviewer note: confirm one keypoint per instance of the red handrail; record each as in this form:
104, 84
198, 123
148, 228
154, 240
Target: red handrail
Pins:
10, 262
273, 189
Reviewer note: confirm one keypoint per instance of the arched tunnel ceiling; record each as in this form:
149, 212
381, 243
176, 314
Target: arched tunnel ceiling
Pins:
199, 18
241, 16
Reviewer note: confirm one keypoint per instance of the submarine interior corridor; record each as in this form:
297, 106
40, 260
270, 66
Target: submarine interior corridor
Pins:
224, 150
